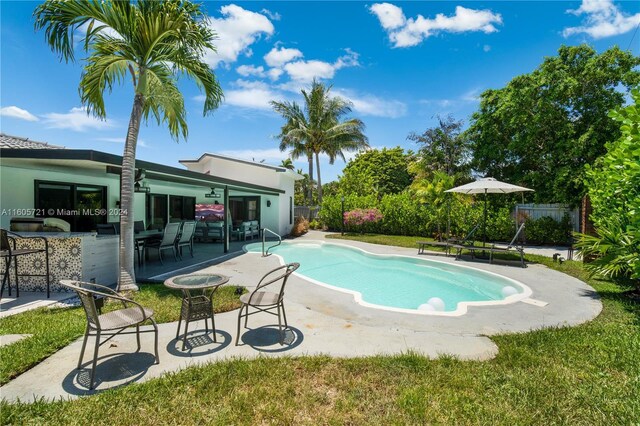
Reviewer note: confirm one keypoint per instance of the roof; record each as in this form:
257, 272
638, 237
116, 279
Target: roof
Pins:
237, 160
153, 170
14, 142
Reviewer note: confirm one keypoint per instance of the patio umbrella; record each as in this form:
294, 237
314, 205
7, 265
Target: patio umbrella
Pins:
486, 186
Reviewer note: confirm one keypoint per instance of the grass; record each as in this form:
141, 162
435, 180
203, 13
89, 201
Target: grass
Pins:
589, 374
53, 329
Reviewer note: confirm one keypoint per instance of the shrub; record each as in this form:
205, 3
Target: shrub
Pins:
362, 219
300, 226
547, 230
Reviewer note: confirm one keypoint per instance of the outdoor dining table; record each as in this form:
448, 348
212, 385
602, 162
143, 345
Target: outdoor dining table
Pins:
197, 299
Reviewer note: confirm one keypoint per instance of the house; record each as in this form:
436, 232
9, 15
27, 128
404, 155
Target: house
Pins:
82, 187
43, 180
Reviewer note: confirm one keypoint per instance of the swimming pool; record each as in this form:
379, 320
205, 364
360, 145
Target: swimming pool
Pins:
398, 283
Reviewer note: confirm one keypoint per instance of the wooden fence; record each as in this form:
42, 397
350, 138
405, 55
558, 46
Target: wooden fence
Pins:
308, 212
555, 211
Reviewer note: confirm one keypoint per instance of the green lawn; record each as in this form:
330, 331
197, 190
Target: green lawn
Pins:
582, 375
53, 329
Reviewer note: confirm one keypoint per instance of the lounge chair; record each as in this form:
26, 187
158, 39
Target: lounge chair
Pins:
265, 301
512, 246
447, 244
111, 323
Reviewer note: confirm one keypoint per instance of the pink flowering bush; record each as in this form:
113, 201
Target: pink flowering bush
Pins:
362, 219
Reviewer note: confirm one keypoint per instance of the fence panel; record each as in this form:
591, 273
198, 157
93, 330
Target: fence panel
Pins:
555, 211
305, 211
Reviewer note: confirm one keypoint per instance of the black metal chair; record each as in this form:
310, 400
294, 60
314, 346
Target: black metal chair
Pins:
10, 252
266, 301
106, 229
112, 323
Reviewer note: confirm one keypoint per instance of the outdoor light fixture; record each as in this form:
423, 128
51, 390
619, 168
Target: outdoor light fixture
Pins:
212, 194
140, 185
268, 203
141, 188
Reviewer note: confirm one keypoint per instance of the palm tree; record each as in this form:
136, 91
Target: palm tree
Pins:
155, 42
318, 128
287, 164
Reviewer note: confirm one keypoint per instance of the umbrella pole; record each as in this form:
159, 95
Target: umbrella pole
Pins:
484, 222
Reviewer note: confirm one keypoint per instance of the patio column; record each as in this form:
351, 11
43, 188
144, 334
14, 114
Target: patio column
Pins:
226, 219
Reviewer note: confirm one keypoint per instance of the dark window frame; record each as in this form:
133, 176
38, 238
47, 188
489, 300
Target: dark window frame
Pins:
41, 211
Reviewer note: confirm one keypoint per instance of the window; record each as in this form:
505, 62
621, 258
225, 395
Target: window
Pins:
78, 204
181, 208
290, 210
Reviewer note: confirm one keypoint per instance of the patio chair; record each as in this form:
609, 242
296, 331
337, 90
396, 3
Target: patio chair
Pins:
167, 242
112, 323
105, 229
186, 237
512, 246
447, 244
9, 250
267, 301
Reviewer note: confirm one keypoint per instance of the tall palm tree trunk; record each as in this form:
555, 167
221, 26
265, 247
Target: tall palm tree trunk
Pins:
127, 275
319, 181
310, 189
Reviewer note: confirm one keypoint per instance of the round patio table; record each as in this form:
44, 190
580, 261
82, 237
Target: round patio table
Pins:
197, 299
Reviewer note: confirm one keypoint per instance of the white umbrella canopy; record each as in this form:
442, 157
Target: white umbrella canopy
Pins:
486, 186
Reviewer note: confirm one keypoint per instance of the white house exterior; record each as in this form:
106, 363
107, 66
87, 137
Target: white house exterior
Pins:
276, 210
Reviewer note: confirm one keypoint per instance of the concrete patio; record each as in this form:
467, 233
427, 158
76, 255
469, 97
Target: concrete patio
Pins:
323, 321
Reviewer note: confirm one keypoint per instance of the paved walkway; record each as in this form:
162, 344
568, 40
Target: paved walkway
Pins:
323, 321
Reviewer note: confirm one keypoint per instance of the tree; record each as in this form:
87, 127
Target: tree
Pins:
542, 128
287, 164
431, 192
377, 172
318, 128
614, 190
153, 41
303, 188
444, 149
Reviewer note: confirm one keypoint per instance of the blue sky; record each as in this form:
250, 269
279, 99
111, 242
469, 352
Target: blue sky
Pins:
400, 64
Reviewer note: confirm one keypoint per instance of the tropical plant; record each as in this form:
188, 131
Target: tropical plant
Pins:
155, 42
614, 190
318, 129
287, 164
431, 192
544, 127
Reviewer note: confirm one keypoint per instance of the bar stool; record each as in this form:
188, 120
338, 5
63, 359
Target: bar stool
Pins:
10, 253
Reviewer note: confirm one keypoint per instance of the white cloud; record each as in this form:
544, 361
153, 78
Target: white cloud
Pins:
405, 32
367, 104
236, 30
486, 48
275, 73
602, 19
390, 16
248, 70
76, 119
274, 16
277, 57
306, 71
120, 141
15, 112
249, 94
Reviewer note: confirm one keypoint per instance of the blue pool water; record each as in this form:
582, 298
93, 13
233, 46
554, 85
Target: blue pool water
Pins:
394, 281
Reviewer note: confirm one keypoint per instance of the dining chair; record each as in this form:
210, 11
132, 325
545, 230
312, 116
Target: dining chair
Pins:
111, 323
267, 301
186, 237
168, 241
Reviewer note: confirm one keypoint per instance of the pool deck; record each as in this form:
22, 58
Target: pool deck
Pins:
323, 321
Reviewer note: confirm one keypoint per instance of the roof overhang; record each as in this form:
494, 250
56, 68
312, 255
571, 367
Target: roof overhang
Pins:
153, 170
